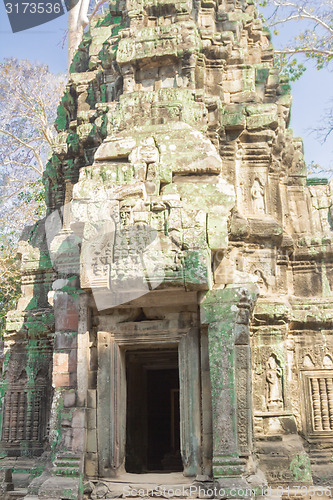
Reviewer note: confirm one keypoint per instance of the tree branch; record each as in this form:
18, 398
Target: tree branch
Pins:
28, 146
302, 14
95, 9
328, 53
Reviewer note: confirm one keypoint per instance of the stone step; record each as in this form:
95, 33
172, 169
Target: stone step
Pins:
271, 497
320, 457
67, 465
19, 493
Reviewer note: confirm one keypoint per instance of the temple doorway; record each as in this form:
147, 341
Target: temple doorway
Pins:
150, 399
153, 414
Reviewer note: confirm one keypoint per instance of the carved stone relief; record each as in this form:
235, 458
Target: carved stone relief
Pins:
258, 197
274, 384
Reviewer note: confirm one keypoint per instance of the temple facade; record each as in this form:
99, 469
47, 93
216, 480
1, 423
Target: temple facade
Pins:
176, 315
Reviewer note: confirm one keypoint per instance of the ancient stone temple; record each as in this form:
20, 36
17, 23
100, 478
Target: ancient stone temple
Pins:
176, 314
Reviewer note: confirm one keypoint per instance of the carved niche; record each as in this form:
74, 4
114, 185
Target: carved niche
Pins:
317, 386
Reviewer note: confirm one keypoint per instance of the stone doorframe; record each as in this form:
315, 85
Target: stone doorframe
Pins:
111, 390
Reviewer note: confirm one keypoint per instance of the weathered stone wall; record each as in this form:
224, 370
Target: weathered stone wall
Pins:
179, 213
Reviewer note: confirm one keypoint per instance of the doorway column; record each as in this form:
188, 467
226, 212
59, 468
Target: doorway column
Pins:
227, 314
190, 401
111, 406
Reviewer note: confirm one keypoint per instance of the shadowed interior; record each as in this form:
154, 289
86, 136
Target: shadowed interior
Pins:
153, 422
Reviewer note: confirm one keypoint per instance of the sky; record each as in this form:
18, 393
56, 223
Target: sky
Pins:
312, 94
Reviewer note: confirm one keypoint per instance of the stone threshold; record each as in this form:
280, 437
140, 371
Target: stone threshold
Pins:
153, 478
168, 486
147, 485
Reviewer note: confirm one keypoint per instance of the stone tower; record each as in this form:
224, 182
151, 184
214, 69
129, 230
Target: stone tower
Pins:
176, 309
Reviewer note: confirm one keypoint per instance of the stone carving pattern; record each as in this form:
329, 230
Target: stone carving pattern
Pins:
242, 391
222, 353
22, 418
258, 197
274, 384
321, 390
314, 356
260, 360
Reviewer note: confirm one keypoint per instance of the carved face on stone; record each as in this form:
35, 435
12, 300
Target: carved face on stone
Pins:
272, 363
147, 152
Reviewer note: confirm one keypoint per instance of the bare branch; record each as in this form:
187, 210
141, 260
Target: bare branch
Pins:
302, 14
328, 53
28, 146
95, 9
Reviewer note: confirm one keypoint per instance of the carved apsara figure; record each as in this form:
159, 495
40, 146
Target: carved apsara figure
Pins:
258, 196
274, 384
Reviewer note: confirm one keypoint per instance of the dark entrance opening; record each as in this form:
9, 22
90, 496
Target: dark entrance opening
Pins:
153, 417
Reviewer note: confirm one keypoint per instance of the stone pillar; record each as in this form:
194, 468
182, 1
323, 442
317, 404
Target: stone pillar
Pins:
226, 312
189, 378
25, 398
244, 376
67, 423
111, 406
